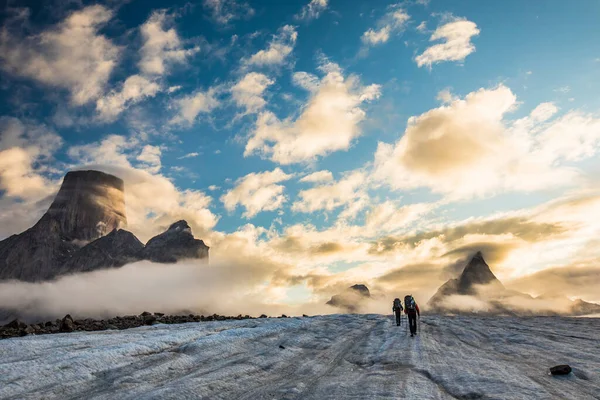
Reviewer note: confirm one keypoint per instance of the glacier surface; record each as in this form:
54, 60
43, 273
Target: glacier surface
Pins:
341, 356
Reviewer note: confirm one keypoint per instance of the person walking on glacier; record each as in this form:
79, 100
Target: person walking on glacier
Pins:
411, 308
397, 309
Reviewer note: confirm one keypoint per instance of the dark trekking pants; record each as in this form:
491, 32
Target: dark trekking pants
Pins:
412, 322
398, 317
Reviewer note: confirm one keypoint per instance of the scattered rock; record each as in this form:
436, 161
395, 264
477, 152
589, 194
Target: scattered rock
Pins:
29, 330
281, 347
67, 324
262, 316
16, 324
561, 370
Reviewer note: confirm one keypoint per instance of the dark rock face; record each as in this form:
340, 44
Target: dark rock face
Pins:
176, 243
116, 249
350, 299
478, 274
72, 235
88, 204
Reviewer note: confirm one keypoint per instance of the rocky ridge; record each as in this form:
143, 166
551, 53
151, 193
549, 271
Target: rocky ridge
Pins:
82, 231
477, 280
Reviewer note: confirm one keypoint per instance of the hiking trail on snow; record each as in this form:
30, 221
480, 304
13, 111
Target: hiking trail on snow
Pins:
343, 356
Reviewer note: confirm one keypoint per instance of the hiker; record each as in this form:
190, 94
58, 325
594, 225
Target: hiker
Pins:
412, 310
397, 309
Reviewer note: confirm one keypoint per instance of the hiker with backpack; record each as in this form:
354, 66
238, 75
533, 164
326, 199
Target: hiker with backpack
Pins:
397, 309
412, 310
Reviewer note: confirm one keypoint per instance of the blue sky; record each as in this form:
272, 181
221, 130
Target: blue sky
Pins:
416, 116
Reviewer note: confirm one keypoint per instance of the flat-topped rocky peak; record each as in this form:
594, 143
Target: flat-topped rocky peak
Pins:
88, 205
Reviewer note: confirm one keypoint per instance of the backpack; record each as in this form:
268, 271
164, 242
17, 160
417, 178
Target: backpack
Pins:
409, 302
397, 304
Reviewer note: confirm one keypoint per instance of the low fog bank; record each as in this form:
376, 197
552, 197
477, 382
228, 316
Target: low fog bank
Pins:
492, 299
186, 287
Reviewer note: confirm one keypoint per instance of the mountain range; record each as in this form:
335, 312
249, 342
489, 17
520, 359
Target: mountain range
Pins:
83, 231
477, 289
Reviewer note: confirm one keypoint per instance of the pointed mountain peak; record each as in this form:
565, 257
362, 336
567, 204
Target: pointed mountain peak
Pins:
477, 272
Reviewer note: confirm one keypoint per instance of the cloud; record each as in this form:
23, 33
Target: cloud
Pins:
134, 89
23, 147
278, 50
393, 22
150, 156
348, 191
257, 192
224, 11
161, 47
71, 55
581, 280
389, 217
466, 148
312, 10
457, 44
189, 155
248, 91
188, 107
329, 121
422, 27
319, 176
26, 150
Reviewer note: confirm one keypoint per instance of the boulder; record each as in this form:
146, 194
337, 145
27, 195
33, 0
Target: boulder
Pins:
67, 324
560, 370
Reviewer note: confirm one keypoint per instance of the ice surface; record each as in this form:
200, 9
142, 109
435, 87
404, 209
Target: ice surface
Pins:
327, 357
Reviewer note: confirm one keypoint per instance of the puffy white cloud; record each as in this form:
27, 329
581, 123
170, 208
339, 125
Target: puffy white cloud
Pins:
392, 22
466, 148
279, 48
457, 44
257, 192
71, 55
134, 89
389, 217
319, 176
328, 122
349, 191
312, 10
224, 11
150, 156
248, 91
188, 107
161, 46
25, 154
22, 146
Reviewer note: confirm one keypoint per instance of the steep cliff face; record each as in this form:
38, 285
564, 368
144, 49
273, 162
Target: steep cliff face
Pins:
73, 235
88, 205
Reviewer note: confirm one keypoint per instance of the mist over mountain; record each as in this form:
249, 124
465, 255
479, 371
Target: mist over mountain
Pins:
82, 231
478, 290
